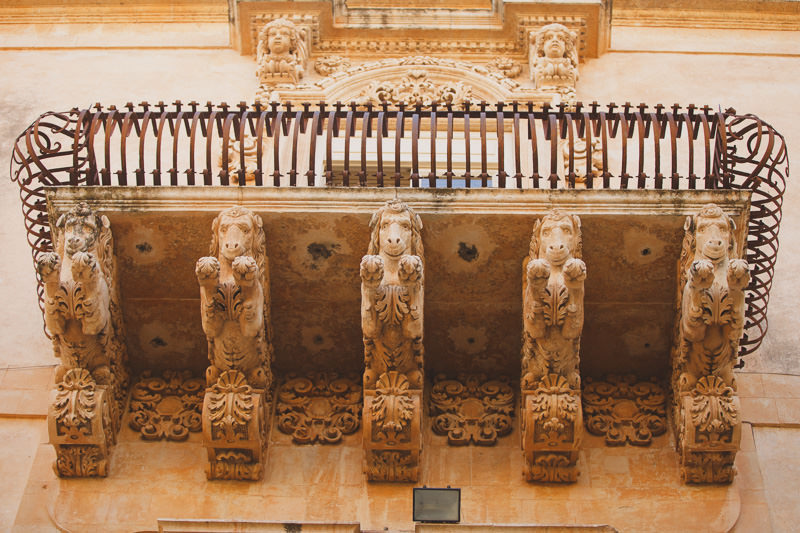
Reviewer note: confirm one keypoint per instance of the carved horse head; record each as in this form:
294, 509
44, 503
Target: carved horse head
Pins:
237, 231
712, 233
80, 229
395, 231
556, 237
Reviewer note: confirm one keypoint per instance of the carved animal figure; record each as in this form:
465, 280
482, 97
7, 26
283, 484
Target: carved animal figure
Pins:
553, 300
234, 298
712, 299
81, 302
281, 50
554, 57
392, 295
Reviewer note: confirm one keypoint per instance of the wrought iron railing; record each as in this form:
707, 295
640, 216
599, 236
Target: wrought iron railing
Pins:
480, 145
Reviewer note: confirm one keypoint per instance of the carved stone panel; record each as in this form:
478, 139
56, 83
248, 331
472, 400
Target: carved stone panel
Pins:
282, 52
710, 320
392, 282
553, 289
553, 59
319, 408
624, 410
235, 313
168, 406
83, 316
472, 409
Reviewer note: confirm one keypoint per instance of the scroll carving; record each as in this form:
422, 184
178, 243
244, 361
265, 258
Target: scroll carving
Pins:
506, 66
327, 65
282, 53
472, 409
624, 410
392, 277
709, 326
167, 407
553, 288
83, 316
320, 408
416, 89
553, 59
234, 305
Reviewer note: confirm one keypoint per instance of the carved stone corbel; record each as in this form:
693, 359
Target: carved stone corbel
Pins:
710, 321
282, 52
392, 298
234, 305
83, 316
552, 424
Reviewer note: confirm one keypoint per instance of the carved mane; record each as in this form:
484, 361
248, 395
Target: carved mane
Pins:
577, 252
396, 206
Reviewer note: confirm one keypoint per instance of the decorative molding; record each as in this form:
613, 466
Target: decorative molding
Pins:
83, 316
167, 406
472, 409
322, 407
325, 66
624, 410
416, 89
506, 66
710, 320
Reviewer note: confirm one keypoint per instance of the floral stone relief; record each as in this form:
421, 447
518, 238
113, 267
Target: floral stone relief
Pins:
392, 298
234, 305
320, 408
710, 320
472, 409
624, 410
83, 316
167, 406
553, 289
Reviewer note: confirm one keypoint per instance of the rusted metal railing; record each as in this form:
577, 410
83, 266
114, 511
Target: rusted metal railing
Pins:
500, 145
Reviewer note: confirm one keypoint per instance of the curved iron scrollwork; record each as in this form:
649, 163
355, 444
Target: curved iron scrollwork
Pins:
193, 144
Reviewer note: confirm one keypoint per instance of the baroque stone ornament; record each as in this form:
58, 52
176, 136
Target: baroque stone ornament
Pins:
472, 409
553, 59
392, 281
327, 65
710, 321
167, 406
282, 53
320, 408
553, 288
83, 316
234, 306
506, 66
624, 410
416, 89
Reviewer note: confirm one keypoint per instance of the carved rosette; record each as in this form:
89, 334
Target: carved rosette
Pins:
320, 408
625, 411
709, 325
79, 424
552, 295
83, 317
167, 407
472, 409
235, 313
392, 281
234, 428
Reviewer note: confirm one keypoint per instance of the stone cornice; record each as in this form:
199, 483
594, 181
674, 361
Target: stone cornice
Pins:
112, 11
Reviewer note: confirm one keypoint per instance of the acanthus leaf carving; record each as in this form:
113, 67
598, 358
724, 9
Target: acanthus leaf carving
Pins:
472, 409
623, 410
392, 409
230, 406
325, 66
322, 407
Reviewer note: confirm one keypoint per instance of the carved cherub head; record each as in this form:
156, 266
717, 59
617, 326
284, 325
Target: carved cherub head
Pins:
555, 41
281, 37
80, 229
713, 234
556, 237
395, 231
237, 231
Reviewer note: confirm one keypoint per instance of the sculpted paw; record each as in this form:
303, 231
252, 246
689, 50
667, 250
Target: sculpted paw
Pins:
738, 274
48, 266
574, 273
701, 274
410, 269
84, 267
207, 270
371, 270
538, 272
245, 270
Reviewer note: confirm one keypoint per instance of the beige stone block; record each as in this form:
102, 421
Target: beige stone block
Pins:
749, 385
747, 444
27, 378
781, 386
788, 411
753, 517
759, 411
748, 471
